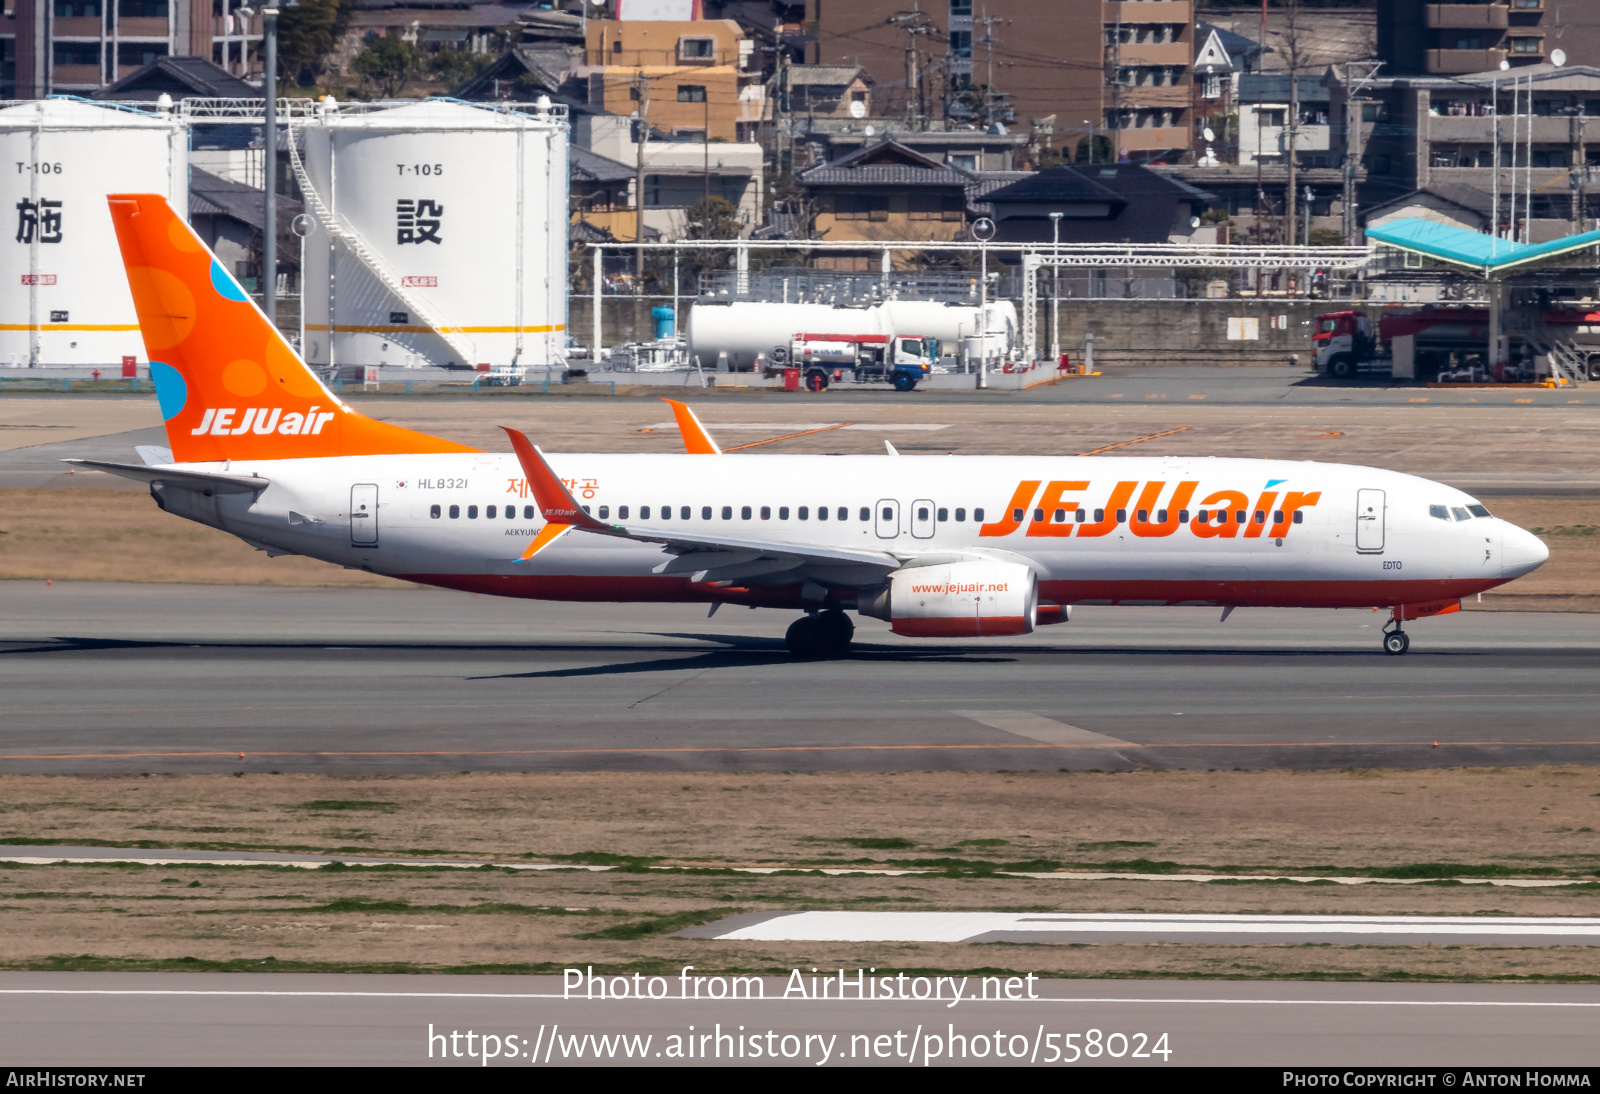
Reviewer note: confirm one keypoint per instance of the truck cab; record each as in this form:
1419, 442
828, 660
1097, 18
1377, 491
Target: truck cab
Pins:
1341, 342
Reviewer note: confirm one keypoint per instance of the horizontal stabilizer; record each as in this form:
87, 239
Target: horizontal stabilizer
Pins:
191, 480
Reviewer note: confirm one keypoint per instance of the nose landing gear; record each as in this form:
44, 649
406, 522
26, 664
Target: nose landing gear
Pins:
1395, 642
820, 635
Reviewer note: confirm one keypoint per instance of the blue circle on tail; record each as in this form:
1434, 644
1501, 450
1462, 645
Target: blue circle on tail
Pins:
225, 285
172, 391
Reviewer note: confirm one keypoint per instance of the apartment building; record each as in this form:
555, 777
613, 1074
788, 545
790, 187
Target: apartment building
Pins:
1417, 38
76, 46
695, 78
1120, 70
1439, 133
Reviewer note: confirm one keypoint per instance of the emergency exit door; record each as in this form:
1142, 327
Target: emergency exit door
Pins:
922, 522
1369, 521
364, 514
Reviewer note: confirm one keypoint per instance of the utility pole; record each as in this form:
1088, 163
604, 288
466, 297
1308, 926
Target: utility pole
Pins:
1357, 76
987, 21
916, 24
641, 85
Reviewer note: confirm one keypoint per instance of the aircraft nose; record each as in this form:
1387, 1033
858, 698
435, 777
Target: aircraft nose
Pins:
1521, 552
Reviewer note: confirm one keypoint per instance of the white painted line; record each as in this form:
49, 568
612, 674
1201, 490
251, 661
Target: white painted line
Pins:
826, 1002
830, 871
961, 926
1036, 727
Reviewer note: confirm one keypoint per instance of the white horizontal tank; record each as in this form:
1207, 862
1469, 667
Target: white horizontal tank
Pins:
743, 329
438, 234
64, 297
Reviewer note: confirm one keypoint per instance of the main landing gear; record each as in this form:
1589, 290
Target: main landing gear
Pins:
1395, 641
820, 635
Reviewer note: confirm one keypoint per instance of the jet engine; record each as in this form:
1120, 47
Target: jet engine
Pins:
957, 600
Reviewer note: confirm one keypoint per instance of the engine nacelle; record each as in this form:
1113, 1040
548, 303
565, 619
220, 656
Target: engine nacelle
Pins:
958, 600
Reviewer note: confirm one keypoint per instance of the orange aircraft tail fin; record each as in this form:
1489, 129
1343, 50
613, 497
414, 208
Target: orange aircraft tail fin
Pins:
229, 386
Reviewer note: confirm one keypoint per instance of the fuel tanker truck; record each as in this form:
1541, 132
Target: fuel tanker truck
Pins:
1431, 341
751, 335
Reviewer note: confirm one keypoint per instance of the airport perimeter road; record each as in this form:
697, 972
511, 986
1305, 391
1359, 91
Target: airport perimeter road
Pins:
131, 1020
114, 678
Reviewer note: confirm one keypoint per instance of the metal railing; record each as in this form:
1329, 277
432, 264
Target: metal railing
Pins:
334, 226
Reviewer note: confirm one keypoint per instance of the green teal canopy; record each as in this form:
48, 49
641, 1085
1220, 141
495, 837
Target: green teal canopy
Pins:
1475, 250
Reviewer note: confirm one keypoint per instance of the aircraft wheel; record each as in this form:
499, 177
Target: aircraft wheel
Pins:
806, 637
1395, 643
836, 628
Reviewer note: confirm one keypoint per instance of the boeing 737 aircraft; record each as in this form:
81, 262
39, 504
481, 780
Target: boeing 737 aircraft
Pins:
938, 546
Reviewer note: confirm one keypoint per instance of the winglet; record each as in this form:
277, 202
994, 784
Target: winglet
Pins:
695, 438
556, 502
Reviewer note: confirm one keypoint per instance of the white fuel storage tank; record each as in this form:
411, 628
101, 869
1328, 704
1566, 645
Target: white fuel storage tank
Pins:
438, 233
64, 297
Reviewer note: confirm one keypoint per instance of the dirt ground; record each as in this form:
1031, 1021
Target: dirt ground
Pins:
955, 828
44, 534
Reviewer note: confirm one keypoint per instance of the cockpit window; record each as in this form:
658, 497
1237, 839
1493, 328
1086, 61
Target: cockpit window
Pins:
1477, 510
1460, 513
1439, 511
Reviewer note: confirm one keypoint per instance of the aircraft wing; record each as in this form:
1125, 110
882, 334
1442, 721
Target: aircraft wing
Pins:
193, 480
563, 512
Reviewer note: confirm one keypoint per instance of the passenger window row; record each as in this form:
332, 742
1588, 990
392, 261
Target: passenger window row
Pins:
489, 512
1218, 516
766, 512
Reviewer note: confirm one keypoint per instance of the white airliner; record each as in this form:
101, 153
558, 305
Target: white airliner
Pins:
938, 546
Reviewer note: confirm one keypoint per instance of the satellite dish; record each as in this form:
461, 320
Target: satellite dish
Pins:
1505, 65
1208, 134
983, 229
1558, 57
301, 225
869, 131
1194, 222
858, 109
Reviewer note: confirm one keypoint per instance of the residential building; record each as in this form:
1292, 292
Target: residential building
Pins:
678, 173
828, 91
1422, 132
826, 140
78, 46
1418, 38
228, 217
885, 192
1100, 203
1264, 121
437, 25
1114, 69
690, 78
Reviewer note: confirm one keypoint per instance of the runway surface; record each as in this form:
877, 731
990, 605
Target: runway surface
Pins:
118, 678
150, 1019
1082, 928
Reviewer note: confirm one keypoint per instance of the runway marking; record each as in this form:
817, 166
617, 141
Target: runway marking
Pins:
248, 754
1136, 440
1036, 727
289, 993
837, 926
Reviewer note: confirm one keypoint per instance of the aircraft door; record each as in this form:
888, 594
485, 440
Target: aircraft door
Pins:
887, 514
364, 515
922, 518
1369, 521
